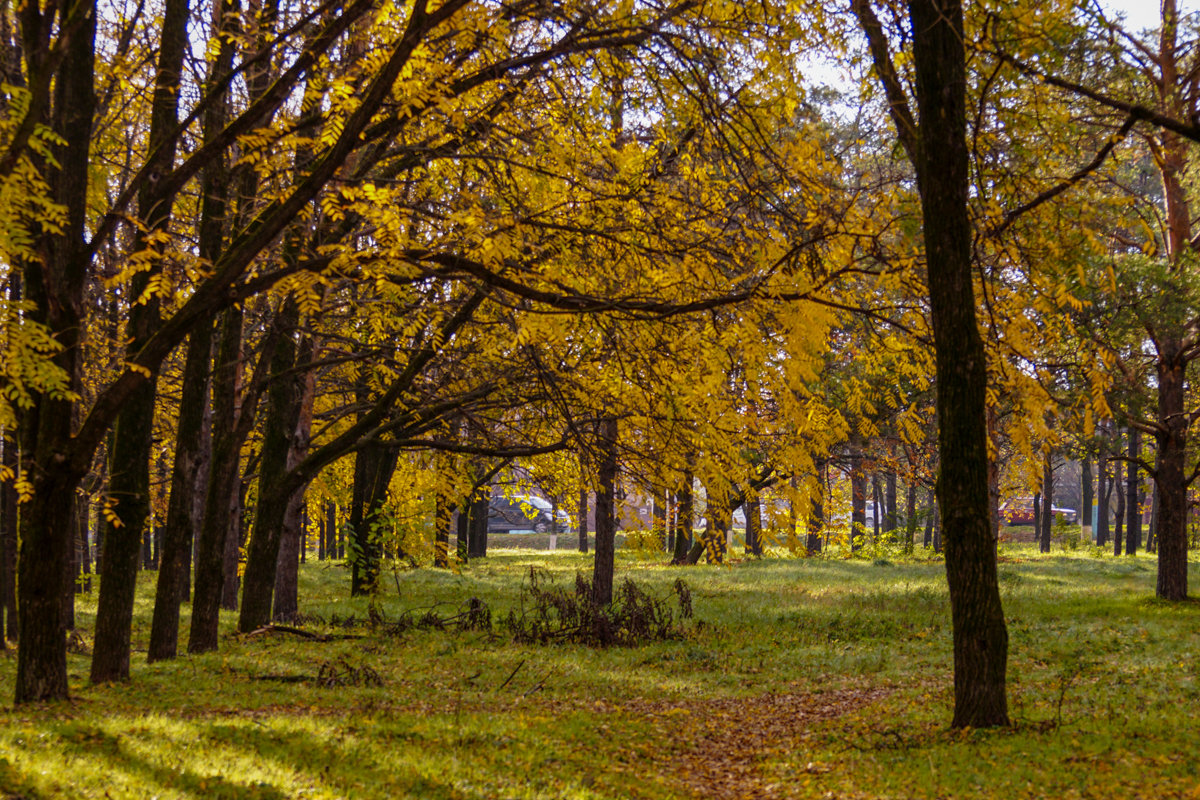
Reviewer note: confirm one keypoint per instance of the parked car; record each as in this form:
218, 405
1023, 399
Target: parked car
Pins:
1020, 512
524, 513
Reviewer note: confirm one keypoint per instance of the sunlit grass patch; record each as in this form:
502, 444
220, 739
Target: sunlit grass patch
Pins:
1103, 680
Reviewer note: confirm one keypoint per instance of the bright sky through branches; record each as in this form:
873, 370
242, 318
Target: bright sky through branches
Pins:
1142, 14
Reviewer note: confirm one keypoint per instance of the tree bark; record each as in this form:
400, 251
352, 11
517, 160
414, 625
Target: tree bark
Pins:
1087, 497
606, 512
686, 521
858, 496
177, 536
1133, 505
754, 545
1046, 523
1102, 491
816, 516
980, 634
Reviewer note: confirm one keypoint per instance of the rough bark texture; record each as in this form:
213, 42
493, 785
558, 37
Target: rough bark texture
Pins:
129, 462
177, 536
1046, 523
279, 426
224, 472
606, 512
54, 282
8, 543
980, 634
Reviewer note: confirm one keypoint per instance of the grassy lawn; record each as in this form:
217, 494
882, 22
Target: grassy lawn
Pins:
816, 678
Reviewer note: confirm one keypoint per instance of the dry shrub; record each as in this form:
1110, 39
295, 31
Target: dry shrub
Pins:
551, 613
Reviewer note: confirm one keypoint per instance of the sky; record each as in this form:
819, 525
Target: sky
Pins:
1142, 14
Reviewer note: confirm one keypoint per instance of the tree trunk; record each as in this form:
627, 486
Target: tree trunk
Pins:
930, 523
285, 604
1119, 528
1047, 521
890, 517
8, 541
606, 513
910, 518
658, 515
129, 470
443, 512
224, 458
858, 496
753, 509
1087, 498
686, 521
878, 507
816, 516
980, 634
54, 282
177, 536
477, 532
1102, 493
1133, 505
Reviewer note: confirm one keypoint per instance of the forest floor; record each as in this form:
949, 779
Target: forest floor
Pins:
795, 678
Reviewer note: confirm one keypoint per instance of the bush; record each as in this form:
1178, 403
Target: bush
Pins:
551, 613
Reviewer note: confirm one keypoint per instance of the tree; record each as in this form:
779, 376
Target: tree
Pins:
935, 140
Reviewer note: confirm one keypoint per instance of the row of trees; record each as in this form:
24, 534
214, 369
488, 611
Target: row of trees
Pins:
279, 252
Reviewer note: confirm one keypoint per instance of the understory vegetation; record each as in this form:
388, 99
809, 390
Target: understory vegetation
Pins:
793, 677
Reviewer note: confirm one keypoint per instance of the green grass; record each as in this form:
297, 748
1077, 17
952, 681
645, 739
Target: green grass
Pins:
815, 678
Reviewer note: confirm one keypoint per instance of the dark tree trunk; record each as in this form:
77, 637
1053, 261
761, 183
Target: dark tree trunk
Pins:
910, 518
672, 520
939, 151
890, 518
1152, 534
224, 446
754, 545
1047, 519
54, 282
1119, 527
285, 399
1171, 482
1133, 505
658, 515
177, 536
1103, 490
878, 509
477, 532
686, 522
606, 512
462, 528
1088, 497
715, 535
285, 605
993, 480
858, 496
930, 520
129, 470
816, 517
8, 541
235, 538
443, 513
